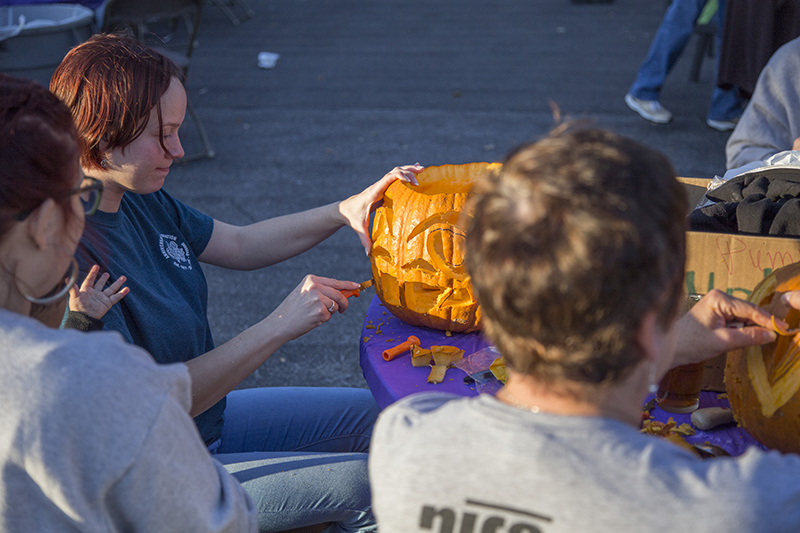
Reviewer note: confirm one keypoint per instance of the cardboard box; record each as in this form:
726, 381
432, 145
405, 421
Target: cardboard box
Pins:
731, 263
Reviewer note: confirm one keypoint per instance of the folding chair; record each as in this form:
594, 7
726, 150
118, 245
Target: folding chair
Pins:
225, 6
169, 26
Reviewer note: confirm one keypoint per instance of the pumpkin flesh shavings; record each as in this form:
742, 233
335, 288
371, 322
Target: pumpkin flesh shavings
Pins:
781, 331
446, 355
499, 369
670, 431
661, 429
437, 373
420, 356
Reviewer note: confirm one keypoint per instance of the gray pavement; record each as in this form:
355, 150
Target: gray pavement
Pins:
362, 86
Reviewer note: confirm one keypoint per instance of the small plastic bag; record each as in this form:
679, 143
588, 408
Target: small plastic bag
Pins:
476, 365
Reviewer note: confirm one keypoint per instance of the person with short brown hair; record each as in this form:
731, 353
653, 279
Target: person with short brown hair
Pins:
597, 200
576, 252
111, 111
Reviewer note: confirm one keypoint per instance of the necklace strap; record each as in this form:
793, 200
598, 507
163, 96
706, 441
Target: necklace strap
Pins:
515, 402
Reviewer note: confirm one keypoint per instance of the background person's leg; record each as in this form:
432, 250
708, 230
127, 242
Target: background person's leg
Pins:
726, 107
293, 490
267, 440
669, 42
308, 419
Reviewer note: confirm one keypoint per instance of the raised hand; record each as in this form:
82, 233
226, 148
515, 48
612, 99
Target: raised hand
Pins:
91, 298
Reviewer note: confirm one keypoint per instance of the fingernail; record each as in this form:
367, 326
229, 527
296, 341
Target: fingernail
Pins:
785, 298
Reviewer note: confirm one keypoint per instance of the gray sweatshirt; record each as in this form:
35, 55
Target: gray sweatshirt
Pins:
442, 463
771, 121
97, 437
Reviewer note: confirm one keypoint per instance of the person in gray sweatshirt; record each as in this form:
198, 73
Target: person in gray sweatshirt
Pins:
771, 120
576, 251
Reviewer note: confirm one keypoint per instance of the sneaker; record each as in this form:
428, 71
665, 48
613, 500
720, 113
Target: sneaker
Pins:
722, 125
648, 109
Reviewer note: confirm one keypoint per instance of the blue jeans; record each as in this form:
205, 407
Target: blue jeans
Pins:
671, 38
301, 454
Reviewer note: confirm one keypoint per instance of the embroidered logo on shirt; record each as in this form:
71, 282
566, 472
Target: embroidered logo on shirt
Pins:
178, 253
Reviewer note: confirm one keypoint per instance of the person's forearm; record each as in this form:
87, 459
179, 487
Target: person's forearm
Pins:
216, 373
271, 241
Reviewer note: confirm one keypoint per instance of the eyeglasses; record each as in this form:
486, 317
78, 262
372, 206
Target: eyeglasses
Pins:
90, 197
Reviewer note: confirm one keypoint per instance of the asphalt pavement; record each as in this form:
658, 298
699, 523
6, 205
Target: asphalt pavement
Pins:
362, 86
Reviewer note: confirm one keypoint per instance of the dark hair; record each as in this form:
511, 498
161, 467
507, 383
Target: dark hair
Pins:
111, 82
38, 148
571, 244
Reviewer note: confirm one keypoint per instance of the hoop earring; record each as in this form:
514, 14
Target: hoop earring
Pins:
60, 294
653, 386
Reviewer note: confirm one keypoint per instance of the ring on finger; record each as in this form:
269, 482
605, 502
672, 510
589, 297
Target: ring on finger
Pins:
332, 307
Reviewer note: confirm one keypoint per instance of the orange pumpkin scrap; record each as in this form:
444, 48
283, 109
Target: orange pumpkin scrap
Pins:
437, 373
763, 382
499, 369
446, 355
420, 356
418, 249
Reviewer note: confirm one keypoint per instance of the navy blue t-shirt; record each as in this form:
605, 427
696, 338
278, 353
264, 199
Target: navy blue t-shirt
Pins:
154, 240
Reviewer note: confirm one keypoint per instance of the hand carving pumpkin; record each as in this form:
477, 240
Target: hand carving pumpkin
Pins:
763, 381
418, 249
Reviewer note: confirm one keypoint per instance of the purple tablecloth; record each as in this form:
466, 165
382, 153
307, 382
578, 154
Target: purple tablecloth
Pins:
391, 380
733, 439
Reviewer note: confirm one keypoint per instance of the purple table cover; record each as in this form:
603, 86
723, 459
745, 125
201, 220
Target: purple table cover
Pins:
735, 440
391, 380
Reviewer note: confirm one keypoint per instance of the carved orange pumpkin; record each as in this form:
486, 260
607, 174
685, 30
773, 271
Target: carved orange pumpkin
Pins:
418, 249
763, 381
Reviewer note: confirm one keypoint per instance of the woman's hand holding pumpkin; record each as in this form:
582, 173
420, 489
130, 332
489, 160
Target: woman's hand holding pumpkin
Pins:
357, 209
709, 328
310, 304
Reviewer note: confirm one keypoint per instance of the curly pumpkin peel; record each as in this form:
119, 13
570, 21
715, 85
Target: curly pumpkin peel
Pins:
418, 251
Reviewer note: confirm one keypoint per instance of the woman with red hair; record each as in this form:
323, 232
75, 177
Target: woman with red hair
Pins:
128, 104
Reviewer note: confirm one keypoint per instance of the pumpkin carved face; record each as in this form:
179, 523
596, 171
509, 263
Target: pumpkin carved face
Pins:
418, 249
763, 381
